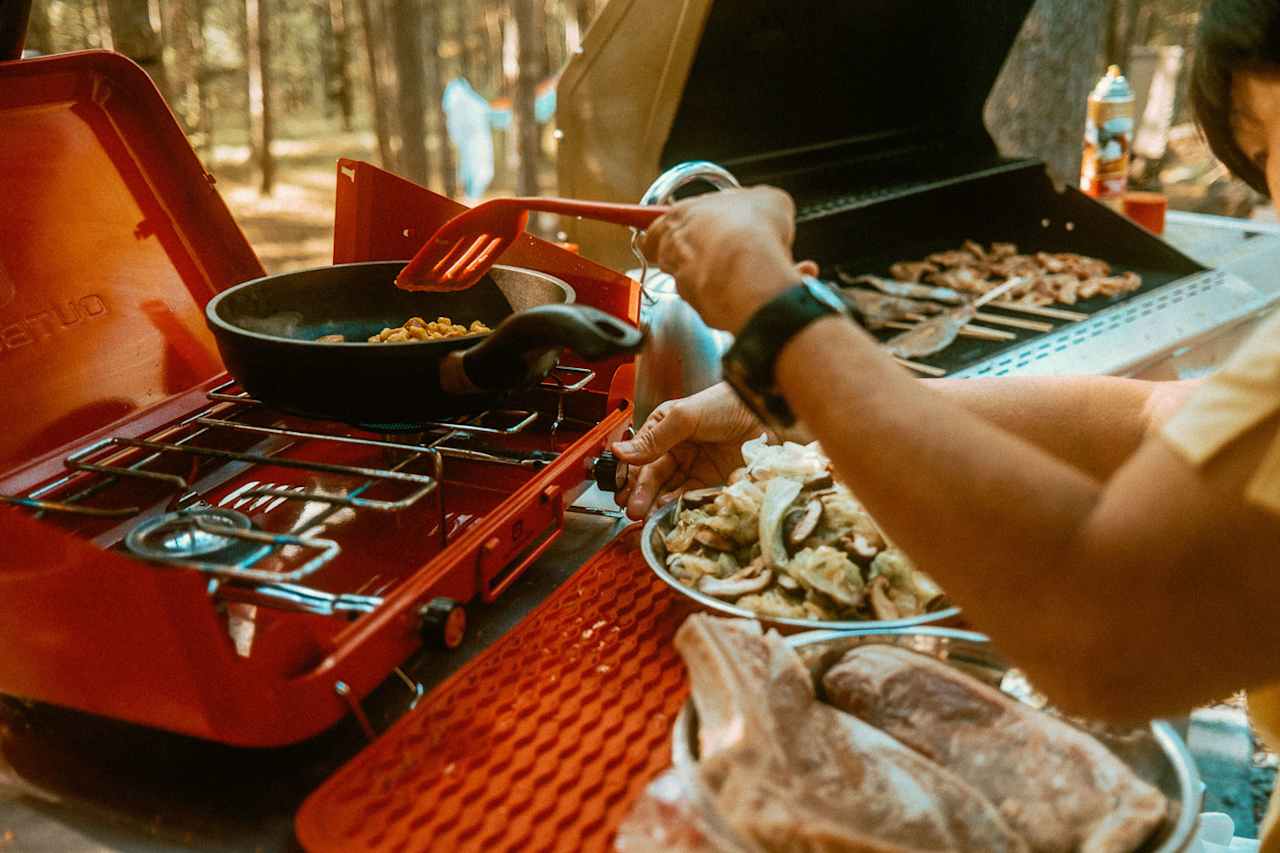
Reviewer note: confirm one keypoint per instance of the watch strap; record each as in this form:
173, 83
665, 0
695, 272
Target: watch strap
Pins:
751, 362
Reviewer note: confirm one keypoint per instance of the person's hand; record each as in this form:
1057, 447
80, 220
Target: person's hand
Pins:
689, 443
729, 252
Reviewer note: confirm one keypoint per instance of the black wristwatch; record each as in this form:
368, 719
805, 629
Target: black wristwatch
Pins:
750, 363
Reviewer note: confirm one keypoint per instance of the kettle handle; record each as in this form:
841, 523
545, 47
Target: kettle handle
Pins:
663, 190
664, 187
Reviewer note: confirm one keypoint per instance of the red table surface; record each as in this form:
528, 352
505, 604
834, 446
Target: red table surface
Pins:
541, 743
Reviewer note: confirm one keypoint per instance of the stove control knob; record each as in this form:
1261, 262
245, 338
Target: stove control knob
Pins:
609, 472
443, 621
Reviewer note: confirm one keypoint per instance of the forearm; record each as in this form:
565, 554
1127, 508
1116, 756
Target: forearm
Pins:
1094, 423
1023, 540
942, 483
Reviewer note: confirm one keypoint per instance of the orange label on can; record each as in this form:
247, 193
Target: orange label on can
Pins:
1108, 134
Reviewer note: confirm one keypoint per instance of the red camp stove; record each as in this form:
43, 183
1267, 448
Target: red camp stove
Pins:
172, 552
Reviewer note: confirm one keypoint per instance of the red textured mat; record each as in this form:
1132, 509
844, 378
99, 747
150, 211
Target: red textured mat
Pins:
541, 743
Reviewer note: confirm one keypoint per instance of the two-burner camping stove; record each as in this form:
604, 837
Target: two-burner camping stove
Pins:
175, 554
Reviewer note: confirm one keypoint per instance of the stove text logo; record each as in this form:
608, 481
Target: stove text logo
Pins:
44, 325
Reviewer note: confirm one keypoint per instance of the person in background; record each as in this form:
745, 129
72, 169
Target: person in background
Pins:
1119, 539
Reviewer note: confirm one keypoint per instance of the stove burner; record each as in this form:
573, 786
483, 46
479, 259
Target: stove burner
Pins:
176, 536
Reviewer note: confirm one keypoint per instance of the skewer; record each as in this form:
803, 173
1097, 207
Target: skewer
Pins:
926, 369
1013, 322
967, 331
1040, 311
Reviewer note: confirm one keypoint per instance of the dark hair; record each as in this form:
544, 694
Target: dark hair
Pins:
1235, 35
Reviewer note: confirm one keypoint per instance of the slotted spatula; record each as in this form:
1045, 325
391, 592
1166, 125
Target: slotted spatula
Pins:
465, 247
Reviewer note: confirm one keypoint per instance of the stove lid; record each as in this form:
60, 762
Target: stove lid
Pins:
112, 239
777, 88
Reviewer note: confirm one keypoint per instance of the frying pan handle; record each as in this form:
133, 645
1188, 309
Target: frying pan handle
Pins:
13, 27
525, 346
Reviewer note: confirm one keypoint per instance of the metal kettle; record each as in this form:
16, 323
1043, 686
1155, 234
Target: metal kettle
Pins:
681, 354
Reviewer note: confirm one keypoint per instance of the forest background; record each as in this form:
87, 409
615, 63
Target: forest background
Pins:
272, 92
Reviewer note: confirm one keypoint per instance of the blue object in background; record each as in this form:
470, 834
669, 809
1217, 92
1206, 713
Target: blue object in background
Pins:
471, 119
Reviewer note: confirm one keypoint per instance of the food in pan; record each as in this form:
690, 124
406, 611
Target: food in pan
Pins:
902, 752
1056, 786
784, 539
1064, 277
417, 329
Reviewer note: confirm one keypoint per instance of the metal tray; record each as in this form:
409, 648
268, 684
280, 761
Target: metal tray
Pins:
1155, 752
655, 554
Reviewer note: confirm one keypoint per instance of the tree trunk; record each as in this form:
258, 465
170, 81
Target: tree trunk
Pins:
463, 23
439, 74
1037, 107
1120, 31
328, 86
528, 56
39, 30
494, 57
203, 81
181, 25
341, 78
369, 26
102, 23
258, 17
133, 35
411, 90
581, 20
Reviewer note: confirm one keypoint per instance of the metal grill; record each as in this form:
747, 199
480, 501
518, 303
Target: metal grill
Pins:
92, 470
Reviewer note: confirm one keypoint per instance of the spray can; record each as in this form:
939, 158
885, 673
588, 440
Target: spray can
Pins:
1108, 135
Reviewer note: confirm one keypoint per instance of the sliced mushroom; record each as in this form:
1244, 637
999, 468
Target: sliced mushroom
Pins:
699, 497
828, 571
881, 604
933, 605
778, 497
819, 481
735, 586
856, 543
690, 567
680, 539
800, 523
787, 582
711, 539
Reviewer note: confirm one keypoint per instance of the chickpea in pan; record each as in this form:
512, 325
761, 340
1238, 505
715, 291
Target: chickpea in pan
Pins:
418, 329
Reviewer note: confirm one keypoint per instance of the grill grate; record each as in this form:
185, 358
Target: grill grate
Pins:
414, 472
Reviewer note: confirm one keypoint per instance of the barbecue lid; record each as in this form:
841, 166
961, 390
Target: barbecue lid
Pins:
776, 89
112, 239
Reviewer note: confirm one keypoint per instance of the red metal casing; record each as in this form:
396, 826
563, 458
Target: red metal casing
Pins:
112, 239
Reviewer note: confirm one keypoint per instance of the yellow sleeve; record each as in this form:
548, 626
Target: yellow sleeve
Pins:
1237, 398
1245, 392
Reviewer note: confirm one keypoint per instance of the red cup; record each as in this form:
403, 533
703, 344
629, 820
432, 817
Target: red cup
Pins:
1146, 209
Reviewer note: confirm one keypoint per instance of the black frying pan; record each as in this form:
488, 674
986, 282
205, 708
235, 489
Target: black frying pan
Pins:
266, 330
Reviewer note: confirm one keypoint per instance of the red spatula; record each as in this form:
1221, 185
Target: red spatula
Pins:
465, 247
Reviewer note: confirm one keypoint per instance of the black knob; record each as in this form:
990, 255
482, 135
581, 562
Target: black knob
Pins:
443, 621
609, 472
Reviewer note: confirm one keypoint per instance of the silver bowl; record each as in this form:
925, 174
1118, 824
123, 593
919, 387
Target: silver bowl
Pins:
654, 547
1155, 752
